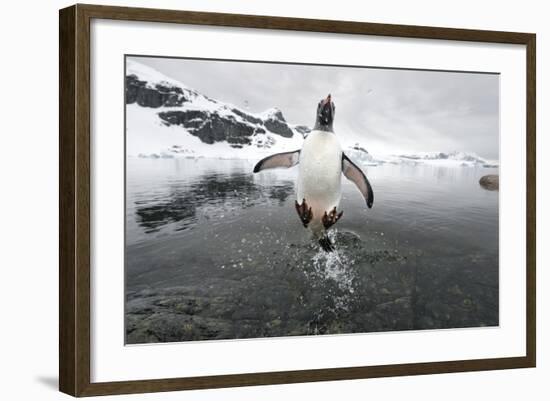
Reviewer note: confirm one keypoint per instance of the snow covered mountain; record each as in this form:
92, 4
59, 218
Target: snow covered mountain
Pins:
451, 159
457, 156
360, 155
454, 158
164, 118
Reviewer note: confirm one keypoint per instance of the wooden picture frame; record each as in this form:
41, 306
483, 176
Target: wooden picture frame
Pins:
74, 199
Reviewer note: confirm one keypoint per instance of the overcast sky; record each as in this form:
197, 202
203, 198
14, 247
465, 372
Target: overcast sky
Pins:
386, 110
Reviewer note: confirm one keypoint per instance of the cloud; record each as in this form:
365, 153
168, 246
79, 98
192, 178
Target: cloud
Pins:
388, 110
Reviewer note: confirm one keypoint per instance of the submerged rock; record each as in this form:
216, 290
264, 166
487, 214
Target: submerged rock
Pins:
489, 182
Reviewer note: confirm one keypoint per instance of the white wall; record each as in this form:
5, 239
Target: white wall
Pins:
28, 200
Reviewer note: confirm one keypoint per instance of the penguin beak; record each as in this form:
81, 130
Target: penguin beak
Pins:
325, 111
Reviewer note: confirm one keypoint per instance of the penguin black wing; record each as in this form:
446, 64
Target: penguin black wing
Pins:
278, 160
355, 175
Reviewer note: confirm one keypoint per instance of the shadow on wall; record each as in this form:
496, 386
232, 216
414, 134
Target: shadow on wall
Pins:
49, 381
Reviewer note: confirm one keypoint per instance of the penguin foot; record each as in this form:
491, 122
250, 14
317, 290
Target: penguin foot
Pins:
329, 219
304, 212
326, 244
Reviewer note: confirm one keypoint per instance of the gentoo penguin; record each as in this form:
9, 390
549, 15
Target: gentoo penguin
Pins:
321, 164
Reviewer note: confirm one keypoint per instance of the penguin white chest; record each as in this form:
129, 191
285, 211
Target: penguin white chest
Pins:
320, 172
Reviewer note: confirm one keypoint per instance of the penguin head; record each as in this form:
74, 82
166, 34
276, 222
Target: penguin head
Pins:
325, 114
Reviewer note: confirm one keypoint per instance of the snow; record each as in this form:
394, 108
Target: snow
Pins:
443, 159
149, 137
152, 76
269, 113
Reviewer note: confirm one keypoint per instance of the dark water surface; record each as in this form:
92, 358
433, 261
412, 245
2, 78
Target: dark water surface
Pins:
215, 252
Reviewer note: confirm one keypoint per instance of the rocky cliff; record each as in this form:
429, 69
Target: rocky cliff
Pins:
209, 120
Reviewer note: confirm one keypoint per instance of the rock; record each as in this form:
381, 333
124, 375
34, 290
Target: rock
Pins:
210, 127
169, 327
247, 117
152, 96
277, 124
360, 148
467, 302
396, 314
208, 119
359, 154
489, 182
425, 322
302, 129
455, 155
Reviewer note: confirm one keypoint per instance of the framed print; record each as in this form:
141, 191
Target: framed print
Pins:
250, 200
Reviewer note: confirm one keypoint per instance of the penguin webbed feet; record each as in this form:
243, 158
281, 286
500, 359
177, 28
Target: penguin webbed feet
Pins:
304, 212
330, 218
326, 243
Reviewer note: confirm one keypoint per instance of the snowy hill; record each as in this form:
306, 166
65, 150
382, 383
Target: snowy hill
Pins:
360, 155
450, 159
456, 156
167, 119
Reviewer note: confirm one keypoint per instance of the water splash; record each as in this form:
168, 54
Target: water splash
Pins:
334, 271
332, 266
